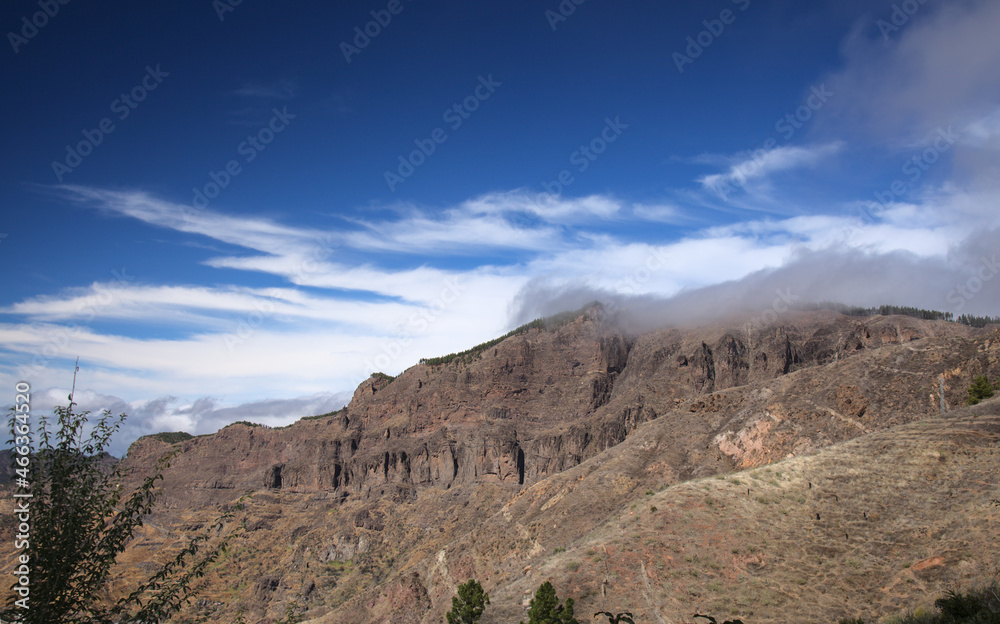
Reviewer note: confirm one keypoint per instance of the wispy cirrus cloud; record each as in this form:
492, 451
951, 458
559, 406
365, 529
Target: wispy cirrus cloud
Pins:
343, 311
751, 171
662, 213
546, 206
254, 233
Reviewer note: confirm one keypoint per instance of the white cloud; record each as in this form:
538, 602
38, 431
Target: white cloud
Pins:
549, 207
664, 213
756, 167
938, 69
253, 233
337, 320
983, 131
167, 413
459, 232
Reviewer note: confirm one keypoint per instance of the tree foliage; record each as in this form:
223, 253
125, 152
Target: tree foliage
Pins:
543, 324
979, 389
81, 521
978, 606
714, 621
545, 607
882, 310
468, 604
618, 618
977, 321
885, 310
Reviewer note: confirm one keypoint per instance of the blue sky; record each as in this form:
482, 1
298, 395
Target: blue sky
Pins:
239, 211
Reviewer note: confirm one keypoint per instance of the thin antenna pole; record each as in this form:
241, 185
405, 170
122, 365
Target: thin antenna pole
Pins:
72, 391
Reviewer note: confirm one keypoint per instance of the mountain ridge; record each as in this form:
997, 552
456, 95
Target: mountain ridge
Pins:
483, 467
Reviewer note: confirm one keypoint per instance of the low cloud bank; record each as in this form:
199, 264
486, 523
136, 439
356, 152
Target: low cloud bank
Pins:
964, 281
205, 415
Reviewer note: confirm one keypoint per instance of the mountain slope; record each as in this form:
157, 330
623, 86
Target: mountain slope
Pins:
868, 527
484, 466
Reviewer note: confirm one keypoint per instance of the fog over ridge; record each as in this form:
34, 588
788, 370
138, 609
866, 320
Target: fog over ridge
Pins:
961, 282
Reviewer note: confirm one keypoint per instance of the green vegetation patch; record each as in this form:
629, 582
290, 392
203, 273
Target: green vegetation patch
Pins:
550, 323
170, 437
326, 415
886, 310
980, 389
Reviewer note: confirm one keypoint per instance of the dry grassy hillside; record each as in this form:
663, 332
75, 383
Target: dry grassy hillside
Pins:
871, 527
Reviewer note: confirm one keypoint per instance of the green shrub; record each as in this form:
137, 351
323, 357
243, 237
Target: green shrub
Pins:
246, 423
326, 415
980, 389
981, 606
83, 518
171, 437
978, 606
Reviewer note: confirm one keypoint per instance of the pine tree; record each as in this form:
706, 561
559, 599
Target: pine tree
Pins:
468, 605
979, 390
545, 607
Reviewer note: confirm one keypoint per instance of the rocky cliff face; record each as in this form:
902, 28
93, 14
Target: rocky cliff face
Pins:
348, 502
528, 408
